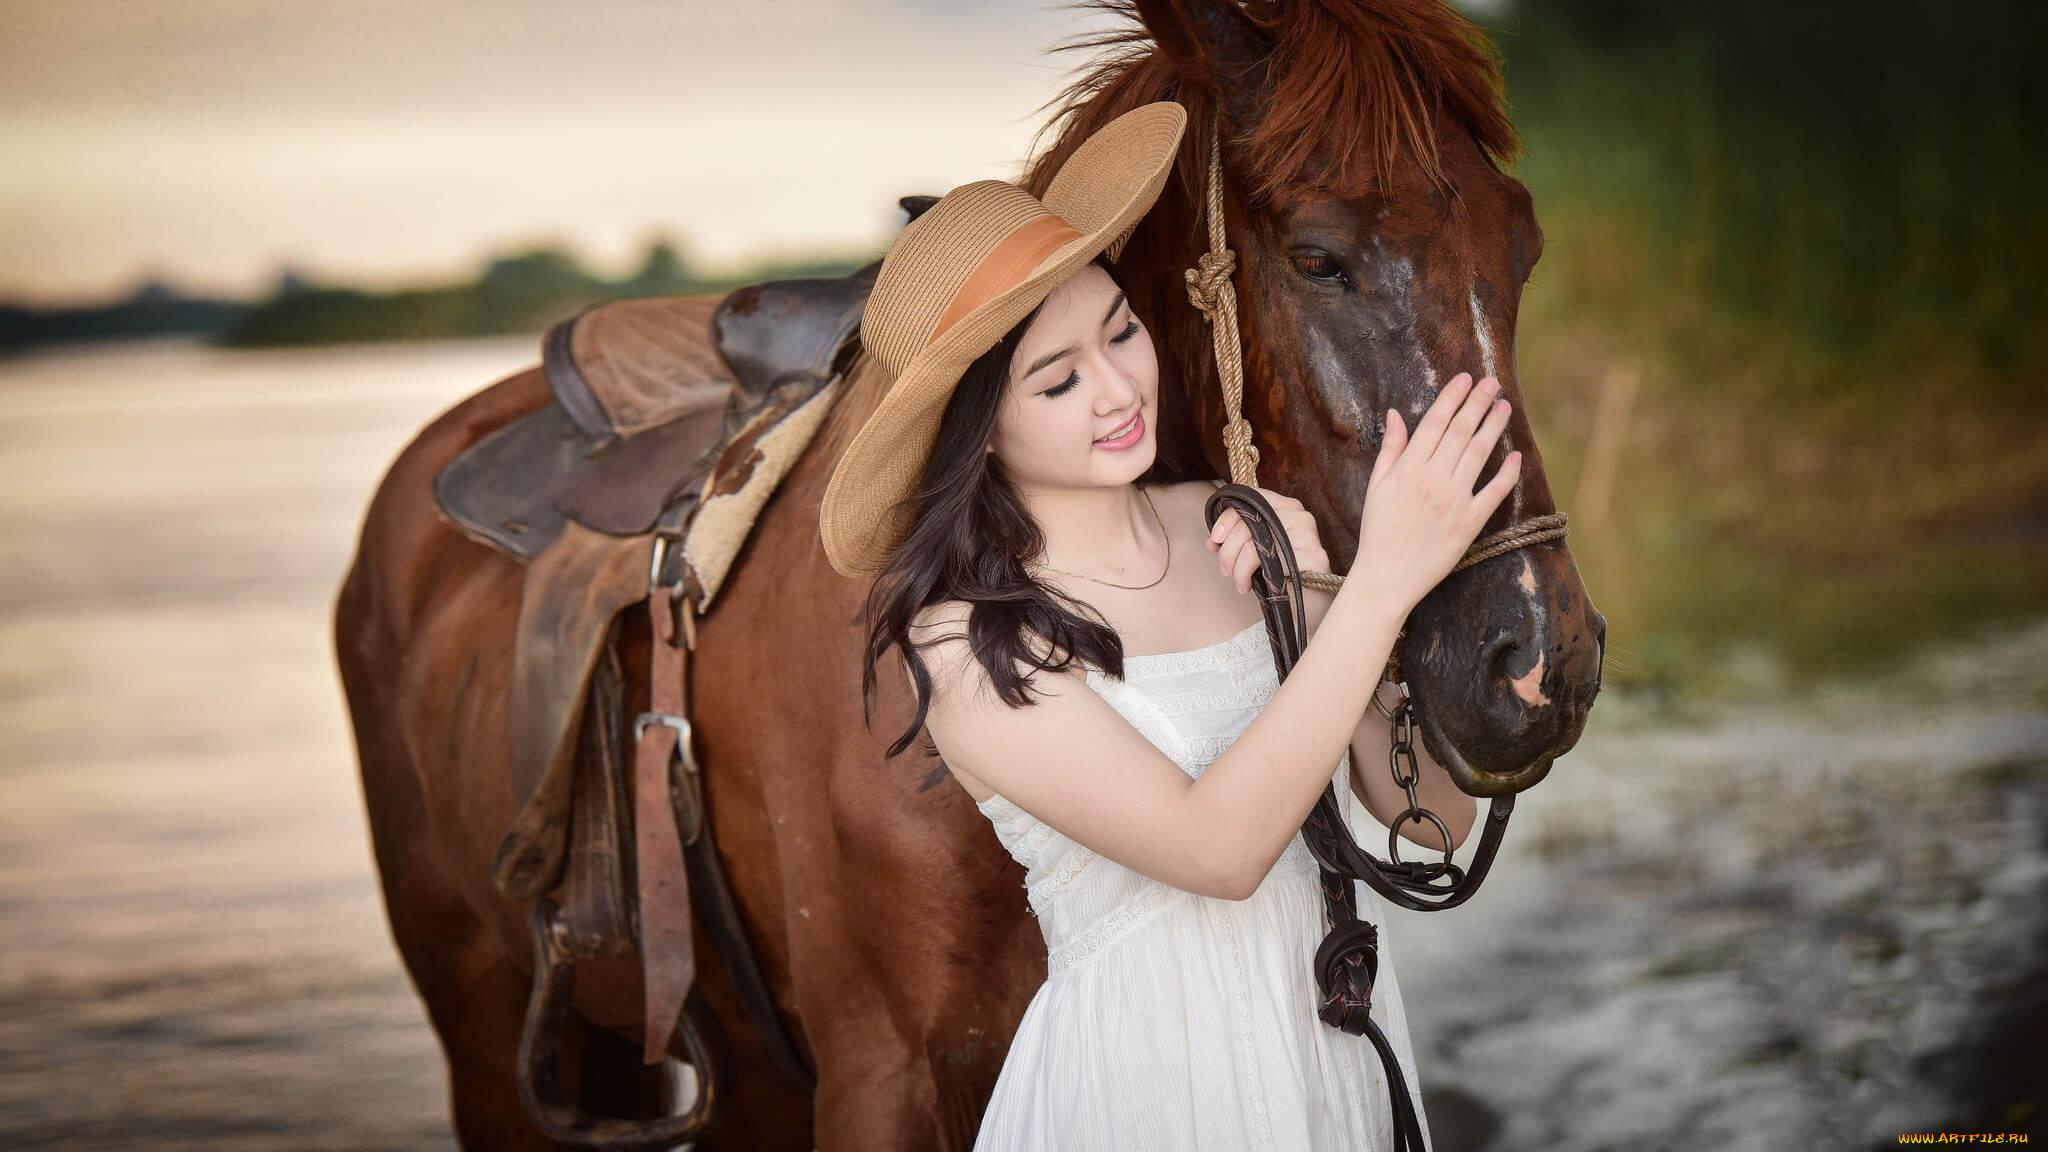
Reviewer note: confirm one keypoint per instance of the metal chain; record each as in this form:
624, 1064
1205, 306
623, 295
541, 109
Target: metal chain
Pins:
1401, 754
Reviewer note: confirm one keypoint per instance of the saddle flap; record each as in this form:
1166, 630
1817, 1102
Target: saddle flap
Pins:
495, 491
622, 487
568, 602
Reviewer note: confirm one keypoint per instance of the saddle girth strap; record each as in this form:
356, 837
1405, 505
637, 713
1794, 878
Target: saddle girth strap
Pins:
667, 962
685, 854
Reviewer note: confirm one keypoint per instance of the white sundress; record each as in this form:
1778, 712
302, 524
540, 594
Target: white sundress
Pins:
1175, 1022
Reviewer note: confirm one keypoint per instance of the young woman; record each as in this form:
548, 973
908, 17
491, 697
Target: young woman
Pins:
1090, 669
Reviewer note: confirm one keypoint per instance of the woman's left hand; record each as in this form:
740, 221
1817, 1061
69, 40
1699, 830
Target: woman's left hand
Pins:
1238, 557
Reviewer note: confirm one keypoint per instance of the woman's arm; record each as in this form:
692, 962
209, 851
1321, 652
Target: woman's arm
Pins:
1074, 762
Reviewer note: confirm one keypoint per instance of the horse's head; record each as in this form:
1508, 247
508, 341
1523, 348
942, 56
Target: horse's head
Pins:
1381, 251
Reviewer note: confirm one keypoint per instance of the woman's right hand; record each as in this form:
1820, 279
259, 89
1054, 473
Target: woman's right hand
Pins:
1421, 514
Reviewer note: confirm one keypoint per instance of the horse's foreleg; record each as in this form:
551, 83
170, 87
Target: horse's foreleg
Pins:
476, 994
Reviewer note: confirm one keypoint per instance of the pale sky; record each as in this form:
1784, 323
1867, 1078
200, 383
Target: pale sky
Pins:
210, 141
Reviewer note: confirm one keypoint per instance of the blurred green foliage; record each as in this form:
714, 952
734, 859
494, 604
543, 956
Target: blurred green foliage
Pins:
1855, 174
1814, 231
519, 291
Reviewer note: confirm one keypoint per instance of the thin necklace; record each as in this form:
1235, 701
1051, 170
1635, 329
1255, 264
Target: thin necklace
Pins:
1132, 587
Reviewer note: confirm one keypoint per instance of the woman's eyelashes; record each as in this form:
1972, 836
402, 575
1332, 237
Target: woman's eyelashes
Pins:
1073, 378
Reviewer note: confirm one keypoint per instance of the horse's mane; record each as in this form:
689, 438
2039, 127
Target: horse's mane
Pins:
1357, 88
1360, 81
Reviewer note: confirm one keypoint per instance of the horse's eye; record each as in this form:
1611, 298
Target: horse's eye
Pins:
1319, 267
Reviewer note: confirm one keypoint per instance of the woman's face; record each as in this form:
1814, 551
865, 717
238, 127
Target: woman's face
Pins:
1083, 370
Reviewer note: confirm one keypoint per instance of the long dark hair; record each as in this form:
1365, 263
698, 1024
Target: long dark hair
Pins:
969, 541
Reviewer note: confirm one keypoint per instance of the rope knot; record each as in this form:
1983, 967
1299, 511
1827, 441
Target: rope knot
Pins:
1209, 280
1237, 439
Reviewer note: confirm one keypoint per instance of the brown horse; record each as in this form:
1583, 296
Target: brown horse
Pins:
1381, 251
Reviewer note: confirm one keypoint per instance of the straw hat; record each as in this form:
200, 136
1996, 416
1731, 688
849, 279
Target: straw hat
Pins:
954, 281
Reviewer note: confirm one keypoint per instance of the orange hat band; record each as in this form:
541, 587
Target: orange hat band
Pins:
1005, 267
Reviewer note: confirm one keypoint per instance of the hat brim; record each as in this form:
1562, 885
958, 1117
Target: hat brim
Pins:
870, 501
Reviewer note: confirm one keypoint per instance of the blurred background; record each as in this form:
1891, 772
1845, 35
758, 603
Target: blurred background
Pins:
1783, 353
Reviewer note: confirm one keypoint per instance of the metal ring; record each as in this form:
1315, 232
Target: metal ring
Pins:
1382, 709
1418, 815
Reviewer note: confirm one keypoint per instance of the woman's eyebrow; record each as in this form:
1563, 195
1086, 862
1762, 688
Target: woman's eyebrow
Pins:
1046, 360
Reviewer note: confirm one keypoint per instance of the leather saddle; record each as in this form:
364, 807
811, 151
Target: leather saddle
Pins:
646, 395
652, 402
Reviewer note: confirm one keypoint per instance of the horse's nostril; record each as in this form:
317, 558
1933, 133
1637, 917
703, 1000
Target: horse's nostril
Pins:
1497, 660
1493, 655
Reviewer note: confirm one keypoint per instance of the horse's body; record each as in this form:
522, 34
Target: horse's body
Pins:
893, 929
847, 876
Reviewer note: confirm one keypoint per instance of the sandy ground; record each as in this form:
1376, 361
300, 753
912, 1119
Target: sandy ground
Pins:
1810, 927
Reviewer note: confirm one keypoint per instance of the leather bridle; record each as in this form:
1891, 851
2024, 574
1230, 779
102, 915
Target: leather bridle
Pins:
1347, 962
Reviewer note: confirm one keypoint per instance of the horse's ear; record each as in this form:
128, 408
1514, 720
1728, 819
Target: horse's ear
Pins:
1220, 46
916, 205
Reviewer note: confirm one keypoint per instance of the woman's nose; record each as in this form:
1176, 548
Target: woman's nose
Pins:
1120, 393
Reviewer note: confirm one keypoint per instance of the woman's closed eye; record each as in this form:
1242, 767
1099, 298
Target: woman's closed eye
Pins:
1073, 378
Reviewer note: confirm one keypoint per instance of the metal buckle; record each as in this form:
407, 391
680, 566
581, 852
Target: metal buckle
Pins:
656, 559
679, 723
690, 822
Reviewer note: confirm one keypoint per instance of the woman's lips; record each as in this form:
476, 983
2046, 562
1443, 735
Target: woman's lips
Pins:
1129, 438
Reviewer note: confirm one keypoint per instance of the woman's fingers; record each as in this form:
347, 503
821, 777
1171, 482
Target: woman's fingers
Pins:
1466, 472
1231, 547
1503, 481
1237, 553
1246, 563
1392, 443
1464, 423
1225, 521
1431, 429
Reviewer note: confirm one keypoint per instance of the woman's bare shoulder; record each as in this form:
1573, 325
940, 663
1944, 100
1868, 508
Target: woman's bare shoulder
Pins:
964, 698
938, 632
937, 620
